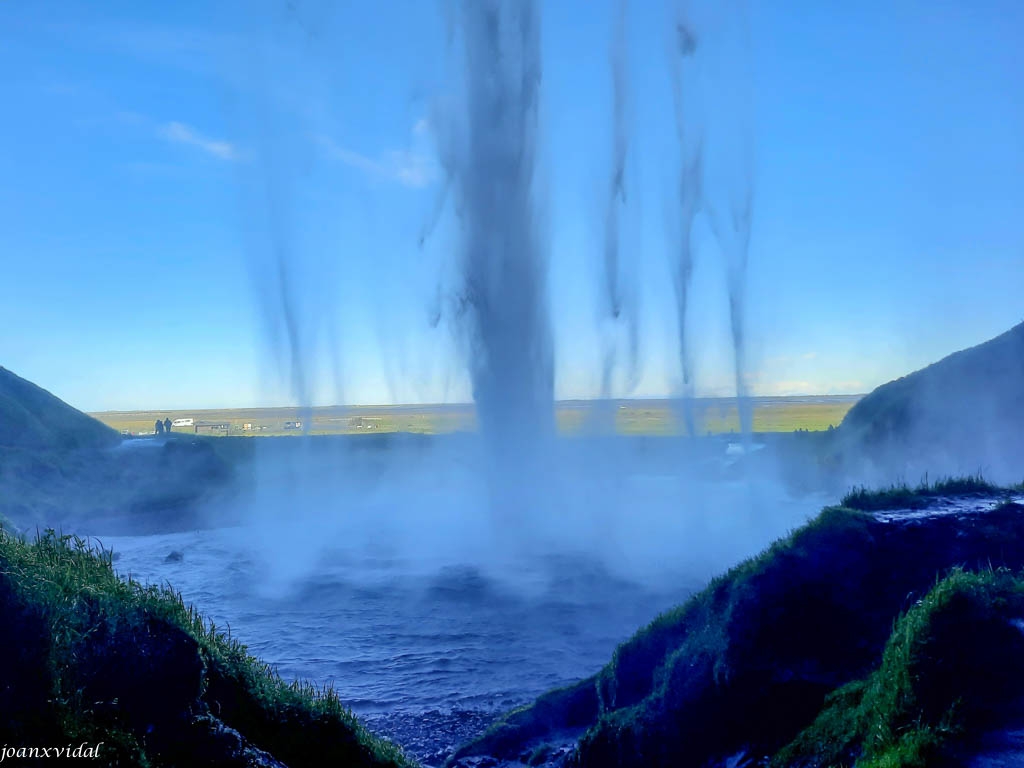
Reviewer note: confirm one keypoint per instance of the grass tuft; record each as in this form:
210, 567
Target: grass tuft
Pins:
903, 496
952, 664
60, 595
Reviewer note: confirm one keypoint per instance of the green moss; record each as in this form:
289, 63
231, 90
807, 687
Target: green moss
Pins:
952, 665
95, 633
693, 642
834, 739
702, 625
748, 662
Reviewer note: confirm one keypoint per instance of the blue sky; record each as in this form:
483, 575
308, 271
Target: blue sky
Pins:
152, 151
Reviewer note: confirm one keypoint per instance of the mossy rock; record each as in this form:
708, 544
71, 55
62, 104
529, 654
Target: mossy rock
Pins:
97, 658
748, 663
953, 667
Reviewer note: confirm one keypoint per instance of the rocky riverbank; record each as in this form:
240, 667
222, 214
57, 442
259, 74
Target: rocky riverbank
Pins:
431, 737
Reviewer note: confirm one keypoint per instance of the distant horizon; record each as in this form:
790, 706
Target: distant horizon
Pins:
471, 404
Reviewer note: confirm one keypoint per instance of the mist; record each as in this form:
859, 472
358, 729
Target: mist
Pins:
515, 498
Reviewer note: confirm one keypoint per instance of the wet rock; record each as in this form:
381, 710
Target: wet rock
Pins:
174, 557
480, 761
432, 736
559, 716
544, 756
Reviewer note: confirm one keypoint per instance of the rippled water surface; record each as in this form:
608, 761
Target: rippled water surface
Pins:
387, 636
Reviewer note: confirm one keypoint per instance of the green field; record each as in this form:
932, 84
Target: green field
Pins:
633, 417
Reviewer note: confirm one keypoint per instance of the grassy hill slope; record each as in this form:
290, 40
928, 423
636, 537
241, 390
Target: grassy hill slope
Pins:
963, 414
30, 417
745, 666
140, 676
63, 469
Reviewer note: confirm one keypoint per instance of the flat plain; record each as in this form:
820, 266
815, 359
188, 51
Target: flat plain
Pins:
632, 417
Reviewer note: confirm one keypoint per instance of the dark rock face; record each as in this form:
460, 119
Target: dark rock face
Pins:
553, 717
207, 742
744, 666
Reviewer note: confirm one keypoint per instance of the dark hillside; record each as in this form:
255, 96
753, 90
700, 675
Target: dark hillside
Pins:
62, 469
30, 417
963, 414
746, 665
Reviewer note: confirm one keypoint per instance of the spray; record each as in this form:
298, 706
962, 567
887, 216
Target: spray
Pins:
736, 245
733, 234
502, 298
618, 305
728, 207
690, 184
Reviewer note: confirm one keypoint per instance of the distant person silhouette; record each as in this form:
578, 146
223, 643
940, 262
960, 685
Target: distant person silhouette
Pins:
167, 426
158, 428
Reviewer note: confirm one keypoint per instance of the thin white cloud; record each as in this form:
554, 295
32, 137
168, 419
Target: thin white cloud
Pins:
179, 133
410, 168
351, 158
